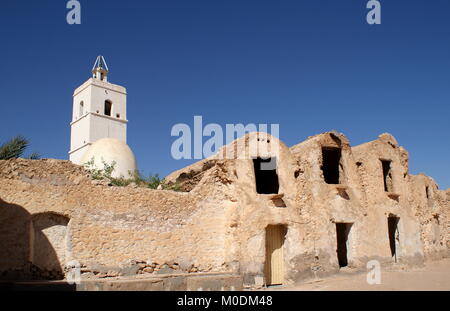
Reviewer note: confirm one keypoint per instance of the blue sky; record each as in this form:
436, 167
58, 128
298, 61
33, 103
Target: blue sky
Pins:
309, 65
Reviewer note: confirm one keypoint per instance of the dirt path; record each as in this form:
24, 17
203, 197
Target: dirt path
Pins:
434, 276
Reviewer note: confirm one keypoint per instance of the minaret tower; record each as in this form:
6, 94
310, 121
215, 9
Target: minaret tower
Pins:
99, 111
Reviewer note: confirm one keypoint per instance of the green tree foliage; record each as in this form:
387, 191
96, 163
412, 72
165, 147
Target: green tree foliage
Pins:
15, 148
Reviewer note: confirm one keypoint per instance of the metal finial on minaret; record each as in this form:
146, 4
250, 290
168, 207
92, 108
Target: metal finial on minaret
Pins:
100, 69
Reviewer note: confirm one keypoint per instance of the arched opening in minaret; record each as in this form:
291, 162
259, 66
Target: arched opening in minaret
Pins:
81, 111
108, 107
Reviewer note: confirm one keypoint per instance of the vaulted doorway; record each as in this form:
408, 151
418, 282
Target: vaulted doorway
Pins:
342, 233
274, 266
394, 236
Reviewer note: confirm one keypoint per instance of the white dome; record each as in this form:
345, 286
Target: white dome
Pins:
111, 150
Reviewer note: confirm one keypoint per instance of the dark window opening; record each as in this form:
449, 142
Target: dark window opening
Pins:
108, 108
427, 192
393, 235
331, 158
342, 233
266, 176
81, 111
387, 176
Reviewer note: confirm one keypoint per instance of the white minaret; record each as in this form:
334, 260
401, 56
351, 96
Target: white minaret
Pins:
99, 111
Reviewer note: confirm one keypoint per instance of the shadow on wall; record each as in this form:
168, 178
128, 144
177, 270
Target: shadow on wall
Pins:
48, 244
32, 246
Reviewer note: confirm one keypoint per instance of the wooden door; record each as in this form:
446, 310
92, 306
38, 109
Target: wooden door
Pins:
274, 254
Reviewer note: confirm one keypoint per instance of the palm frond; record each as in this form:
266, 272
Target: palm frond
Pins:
13, 148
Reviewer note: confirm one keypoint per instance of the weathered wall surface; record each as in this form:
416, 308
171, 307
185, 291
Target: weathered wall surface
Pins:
52, 212
108, 226
393, 202
313, 207
431, 207
327, 204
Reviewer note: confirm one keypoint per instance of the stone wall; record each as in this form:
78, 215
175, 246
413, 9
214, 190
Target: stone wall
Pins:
52, 212
110, 229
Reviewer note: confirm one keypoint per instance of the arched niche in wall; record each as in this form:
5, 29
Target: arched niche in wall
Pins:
48, 244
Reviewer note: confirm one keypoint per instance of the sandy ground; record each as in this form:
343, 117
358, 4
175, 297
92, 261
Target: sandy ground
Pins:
433, 276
